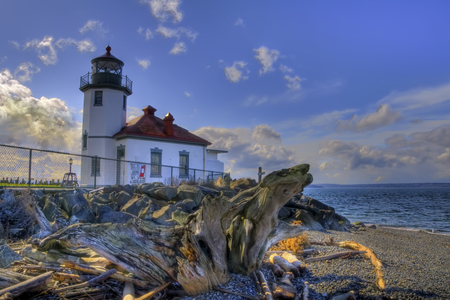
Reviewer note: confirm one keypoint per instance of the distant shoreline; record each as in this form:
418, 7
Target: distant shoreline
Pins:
379, 185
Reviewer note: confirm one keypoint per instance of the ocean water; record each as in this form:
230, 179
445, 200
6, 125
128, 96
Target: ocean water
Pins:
420, 208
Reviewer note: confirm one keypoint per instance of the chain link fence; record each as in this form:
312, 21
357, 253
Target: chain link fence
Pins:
21, 166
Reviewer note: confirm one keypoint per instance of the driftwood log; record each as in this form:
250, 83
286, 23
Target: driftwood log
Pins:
224, 235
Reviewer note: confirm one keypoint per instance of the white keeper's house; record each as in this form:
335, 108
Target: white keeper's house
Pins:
145, 149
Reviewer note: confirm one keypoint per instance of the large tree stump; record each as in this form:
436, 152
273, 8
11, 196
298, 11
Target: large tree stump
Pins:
224, 235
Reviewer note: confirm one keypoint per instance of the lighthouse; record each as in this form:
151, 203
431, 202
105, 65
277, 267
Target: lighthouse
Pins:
106, 91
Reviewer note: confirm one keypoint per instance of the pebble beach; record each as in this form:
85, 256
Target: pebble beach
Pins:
416, 266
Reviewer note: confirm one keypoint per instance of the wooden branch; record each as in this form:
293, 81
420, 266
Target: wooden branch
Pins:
33, 267
7, 296
149, 295
128, 291
333, 256
237, 294
91, 282
284, 264
13, 277
28, 285
71, 278
265, 287
294, 260
285, 288
305, 290
119, 277
258, 284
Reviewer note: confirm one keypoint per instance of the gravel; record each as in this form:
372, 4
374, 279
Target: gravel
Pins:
416, 266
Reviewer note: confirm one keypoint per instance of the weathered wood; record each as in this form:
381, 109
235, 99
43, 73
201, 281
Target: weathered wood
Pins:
305, 292
224, 235
237, 294
294, 260
276, 269
284, 264
119, 277
27, 286
43, 268
285, 289
265, 287
92, 282
257, 283
70, 278
9, 278
150, 295
7, 296
333, 256
128, 291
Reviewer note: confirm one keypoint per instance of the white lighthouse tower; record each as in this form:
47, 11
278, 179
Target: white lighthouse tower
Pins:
104, 114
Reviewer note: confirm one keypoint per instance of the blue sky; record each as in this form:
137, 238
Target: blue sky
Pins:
358, 89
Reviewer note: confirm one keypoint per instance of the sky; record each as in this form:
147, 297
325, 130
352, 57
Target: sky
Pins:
360, 90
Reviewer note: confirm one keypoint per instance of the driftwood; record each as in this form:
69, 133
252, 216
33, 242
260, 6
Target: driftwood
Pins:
154, 292
27, 286
276, 269
284, 264
119, 277
70, 278
92, 282
294, 260
333, 256
305, 293
368, 253
224, 235
9, 278
285, 289
265, 287
128, 291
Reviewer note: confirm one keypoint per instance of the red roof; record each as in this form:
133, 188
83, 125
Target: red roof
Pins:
151, 127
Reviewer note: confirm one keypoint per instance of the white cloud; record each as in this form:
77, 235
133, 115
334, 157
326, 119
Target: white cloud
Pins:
164, 9
45, 49
255, 101
176, 32
249, 148
93, 25
3, 59
15, 44
44, 123
236, 72
418, 98
144, 63
147, 34
24, 72
187, 94
266, 58
285, 69
82, 46
382, 117
133, 113
293, 82
239, 22
178, 48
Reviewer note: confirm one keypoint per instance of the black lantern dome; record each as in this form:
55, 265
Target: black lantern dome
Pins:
106, 72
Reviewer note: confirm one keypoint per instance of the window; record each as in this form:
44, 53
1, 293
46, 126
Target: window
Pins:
124, 102
85, 136
156, 161
184, 164
98, 101
95, 167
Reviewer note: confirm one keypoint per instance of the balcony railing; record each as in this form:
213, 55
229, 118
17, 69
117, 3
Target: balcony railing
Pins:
106, 78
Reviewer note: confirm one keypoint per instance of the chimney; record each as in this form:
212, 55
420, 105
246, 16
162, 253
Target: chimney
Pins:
149, 110
168, 124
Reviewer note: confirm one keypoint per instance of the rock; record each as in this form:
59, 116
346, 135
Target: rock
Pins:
284, 213
146, 187
70, 199
17, 233
2, 234
98, 201
121, 198
229, 193
116, 217
135, 205
118, 188
164, 214
307, 219
7, 256
83, 214
52, 210
147, 212
186, 205
189, 192
103, 210
208, 191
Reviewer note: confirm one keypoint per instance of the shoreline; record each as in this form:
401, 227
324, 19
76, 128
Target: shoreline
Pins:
429, 231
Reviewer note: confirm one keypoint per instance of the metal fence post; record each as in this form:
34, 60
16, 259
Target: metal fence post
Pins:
194, 176
95, 171
171, 176
29, 169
